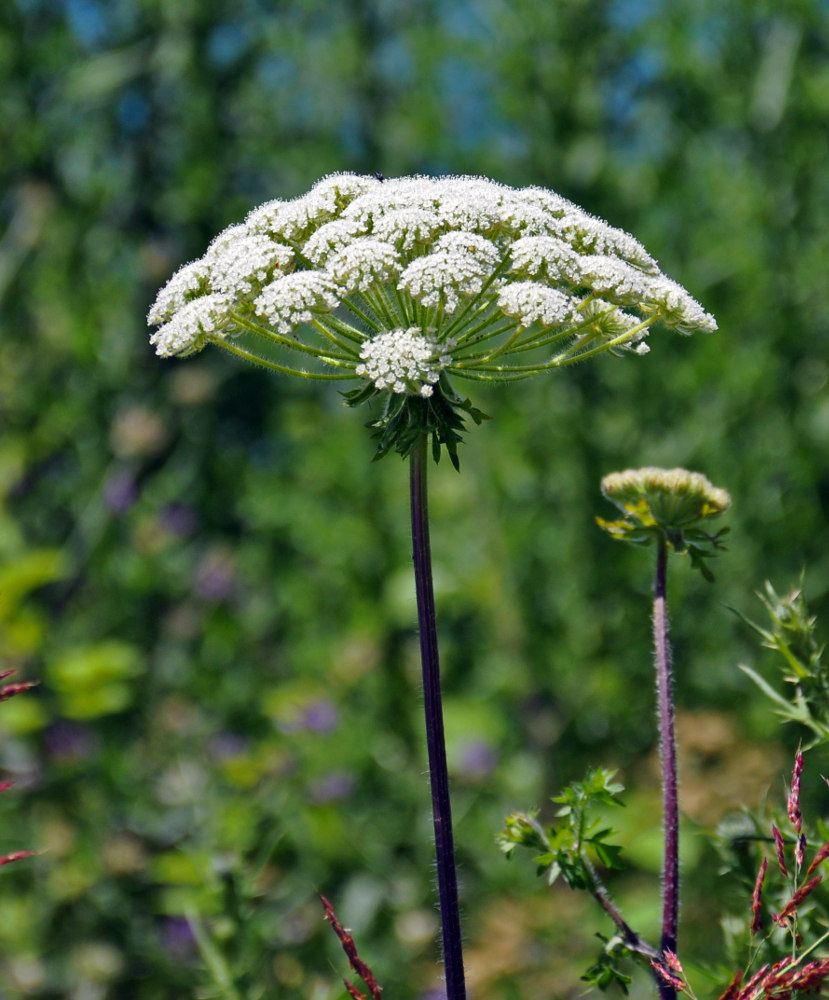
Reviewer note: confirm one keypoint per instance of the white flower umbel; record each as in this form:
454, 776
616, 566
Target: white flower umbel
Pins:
532, 302
363, 263
190, 328
520, 281
403, 361
457, 267
294, 299
245, 264
189, 282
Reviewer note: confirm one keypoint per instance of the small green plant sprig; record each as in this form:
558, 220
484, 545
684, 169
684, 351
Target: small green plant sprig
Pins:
570, 851
564, 851
791, 634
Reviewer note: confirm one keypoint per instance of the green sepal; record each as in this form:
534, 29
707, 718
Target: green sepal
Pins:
407, 418
605, 971
698, 545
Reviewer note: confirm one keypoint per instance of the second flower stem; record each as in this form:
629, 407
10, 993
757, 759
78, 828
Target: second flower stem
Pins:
435, 740
667, 751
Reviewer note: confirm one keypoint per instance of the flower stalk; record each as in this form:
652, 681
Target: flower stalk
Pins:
667, 755
666, 507
435, 739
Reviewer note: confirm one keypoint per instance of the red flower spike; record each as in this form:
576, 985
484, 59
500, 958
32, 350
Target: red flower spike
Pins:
820, 857
353, 991
756, 900
672, 961
749, 987
778, 847
812, 975
667, 975
10, 690
350, 948
790, 908
733, 987
793, 803
15, 856
764, 981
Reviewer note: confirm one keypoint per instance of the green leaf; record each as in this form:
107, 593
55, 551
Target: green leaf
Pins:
406, 419
766, 688
553, 874
610, 855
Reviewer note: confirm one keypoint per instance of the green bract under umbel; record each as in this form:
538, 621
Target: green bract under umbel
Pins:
668, 505
405, 284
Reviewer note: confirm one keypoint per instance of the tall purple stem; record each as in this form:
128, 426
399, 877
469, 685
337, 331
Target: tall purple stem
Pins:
667, 752
435, 740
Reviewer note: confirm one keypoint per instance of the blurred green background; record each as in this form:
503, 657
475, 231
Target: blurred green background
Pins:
212, 581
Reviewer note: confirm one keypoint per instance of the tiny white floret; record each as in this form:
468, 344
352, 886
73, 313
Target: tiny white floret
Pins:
195, 323
532, 302
362, 263
188, 282
295, 298
402, 361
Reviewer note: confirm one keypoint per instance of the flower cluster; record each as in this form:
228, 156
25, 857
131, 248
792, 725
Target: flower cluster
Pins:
400, 359
666, 505
790, 976
519, 281
670, 498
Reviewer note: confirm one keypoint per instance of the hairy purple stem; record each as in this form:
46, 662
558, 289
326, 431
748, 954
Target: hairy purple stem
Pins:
667, 752
632, 940
435, 740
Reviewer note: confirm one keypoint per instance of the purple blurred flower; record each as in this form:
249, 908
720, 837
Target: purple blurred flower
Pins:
120, 491
177, 937
335, 785
215, 577
178, 519
68, 742
477, 759
320, 716
227, 745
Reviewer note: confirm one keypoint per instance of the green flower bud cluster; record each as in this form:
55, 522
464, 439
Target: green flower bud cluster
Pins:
666, 505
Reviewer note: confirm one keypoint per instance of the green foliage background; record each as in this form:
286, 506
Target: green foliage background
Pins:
211, 579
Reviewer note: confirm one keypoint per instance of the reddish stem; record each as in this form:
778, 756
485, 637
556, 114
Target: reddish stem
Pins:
667, 753
435, 740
